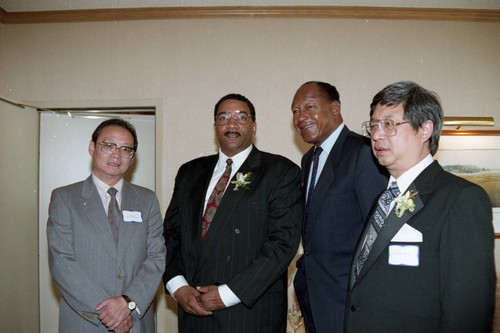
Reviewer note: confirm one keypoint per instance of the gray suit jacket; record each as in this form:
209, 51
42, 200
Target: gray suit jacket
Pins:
87, 266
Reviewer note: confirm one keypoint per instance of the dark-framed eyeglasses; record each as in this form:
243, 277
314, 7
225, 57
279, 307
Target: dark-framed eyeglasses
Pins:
109, 147
388, 127
241, 117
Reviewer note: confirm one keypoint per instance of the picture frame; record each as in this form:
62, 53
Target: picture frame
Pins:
475, 156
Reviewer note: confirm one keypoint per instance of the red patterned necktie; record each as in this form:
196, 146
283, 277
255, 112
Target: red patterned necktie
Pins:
214, 199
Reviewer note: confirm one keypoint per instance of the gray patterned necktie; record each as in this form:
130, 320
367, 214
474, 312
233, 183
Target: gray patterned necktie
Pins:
114, 214
376, 223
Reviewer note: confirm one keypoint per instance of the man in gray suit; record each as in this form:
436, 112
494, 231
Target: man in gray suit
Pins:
106, 249
228, 252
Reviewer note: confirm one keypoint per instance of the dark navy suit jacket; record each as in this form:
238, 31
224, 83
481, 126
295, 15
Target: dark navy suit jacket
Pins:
348, 186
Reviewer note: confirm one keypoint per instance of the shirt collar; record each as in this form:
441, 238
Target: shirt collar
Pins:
238, 159
103, 187
332, 138
410, 175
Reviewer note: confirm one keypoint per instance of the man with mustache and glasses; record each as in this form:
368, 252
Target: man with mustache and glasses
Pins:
231, 229
425, 260
106, 250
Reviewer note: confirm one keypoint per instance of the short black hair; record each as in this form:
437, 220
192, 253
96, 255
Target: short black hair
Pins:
419, 105
237, 97
116, 122
330, 91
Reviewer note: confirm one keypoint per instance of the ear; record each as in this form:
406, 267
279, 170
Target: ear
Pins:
427, 128
254, 128
335, 108
91, 148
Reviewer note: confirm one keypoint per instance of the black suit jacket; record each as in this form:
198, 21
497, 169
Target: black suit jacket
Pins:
341, 202
251, 241
453, 287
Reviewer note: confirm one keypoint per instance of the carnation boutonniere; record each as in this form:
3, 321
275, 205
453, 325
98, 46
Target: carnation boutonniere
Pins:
405, 203
242, 180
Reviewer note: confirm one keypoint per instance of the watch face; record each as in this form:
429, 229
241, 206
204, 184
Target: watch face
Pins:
131, 305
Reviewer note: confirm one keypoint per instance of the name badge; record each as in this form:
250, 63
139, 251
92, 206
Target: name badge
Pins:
404, 255
132, 216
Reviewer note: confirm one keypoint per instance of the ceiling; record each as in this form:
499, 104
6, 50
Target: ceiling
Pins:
51, 5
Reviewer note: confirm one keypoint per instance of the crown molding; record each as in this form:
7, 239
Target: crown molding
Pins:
342, 12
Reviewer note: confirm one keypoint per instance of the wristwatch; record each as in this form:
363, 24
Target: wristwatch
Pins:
130, 303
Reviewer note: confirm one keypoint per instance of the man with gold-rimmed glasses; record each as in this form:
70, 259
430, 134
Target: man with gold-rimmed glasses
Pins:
231, 230
425, 261
106, 249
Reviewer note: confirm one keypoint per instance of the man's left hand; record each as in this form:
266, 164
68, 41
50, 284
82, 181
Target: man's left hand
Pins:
115, 312
210, 298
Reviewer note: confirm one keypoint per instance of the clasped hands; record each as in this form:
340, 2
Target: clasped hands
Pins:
116, 315
199, 301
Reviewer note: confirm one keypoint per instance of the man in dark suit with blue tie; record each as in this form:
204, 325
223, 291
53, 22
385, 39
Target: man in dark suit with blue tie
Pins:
425, 260
231, 229
341, 183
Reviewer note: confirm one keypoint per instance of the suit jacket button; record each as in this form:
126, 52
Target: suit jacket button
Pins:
353, 308
119, 277
236, 231
228, 258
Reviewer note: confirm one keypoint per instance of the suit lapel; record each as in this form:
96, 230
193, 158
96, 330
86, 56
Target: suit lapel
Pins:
324, 182
198, 193
391, 227
97, 215
423, 185
126, 231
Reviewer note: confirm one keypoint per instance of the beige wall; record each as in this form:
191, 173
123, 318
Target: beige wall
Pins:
189, 64
18, 219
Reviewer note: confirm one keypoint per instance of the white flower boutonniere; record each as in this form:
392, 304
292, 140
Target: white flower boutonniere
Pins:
242, 180
405, 203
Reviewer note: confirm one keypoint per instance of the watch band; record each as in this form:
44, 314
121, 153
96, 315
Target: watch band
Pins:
130, 303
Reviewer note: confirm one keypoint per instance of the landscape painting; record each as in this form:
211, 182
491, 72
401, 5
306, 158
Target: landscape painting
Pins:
474, 156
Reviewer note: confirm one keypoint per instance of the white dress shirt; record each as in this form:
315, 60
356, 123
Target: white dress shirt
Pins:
327, 146
404, 181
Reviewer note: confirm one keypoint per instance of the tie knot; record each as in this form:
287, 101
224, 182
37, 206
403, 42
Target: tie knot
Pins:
317, 152
112, 191
229, 161
389, 194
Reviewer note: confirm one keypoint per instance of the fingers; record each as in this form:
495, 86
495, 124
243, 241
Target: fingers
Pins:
125, 326
187, 298
115, 312
210, 298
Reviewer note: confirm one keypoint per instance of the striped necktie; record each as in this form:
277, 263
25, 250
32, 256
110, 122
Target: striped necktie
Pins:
376, 223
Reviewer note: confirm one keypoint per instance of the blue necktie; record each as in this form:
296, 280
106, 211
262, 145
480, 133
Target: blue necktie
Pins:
376, 223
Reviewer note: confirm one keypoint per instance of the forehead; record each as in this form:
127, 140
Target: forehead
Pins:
388, 112
233, 105
116, 133
309, 92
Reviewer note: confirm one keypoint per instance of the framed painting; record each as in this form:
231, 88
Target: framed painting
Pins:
475, 156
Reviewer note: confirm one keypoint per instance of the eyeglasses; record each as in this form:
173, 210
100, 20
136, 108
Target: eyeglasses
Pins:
388, 127
241, 117
109, 147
